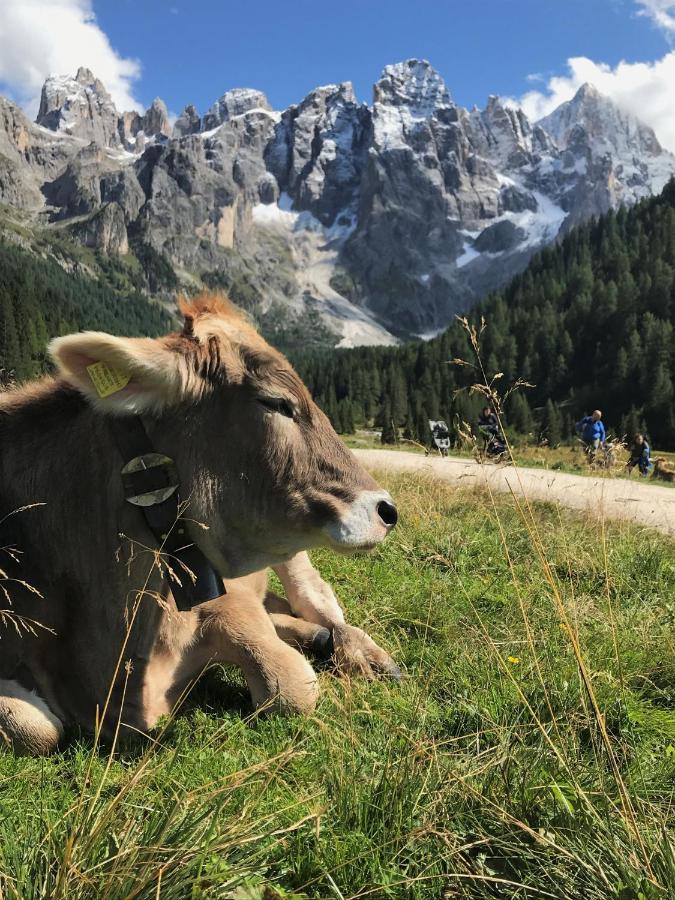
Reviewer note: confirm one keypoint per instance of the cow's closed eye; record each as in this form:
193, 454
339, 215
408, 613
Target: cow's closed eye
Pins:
278, 405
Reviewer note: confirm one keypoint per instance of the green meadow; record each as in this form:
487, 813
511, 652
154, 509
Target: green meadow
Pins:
529, 750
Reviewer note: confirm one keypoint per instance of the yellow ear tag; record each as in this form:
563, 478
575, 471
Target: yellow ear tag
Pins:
106, 380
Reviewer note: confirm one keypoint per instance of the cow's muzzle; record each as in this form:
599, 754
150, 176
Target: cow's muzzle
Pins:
364, 523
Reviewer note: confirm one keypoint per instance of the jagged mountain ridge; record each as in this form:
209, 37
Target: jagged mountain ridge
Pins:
387, 218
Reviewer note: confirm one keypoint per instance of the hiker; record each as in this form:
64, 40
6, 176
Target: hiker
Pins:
639, 455
592, 432
488, 425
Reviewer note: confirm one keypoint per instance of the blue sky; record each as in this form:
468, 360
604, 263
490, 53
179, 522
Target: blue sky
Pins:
535, 52
193, 51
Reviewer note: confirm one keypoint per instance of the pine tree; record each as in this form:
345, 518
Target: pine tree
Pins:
551, 425
410, 430
631, 423
423, 430
520, 417
331, 407
389, 435
346, 416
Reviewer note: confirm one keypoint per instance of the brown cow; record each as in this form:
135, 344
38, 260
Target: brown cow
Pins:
264, 476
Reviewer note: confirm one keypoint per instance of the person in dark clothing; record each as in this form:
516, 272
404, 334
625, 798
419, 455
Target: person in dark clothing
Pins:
639, 455
488, 421
488, 425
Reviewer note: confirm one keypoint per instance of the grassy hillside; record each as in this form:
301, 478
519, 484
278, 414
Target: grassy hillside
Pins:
499, 767
41, 298
588, 324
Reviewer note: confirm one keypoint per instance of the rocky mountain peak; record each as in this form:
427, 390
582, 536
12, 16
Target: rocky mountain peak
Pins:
188, 122
504, 132
413, 83
87, 78
331, 94
587, 91
80, 106
317, 152
234, 103
156, 118
129, 124
509, 117
608, 128
409, 97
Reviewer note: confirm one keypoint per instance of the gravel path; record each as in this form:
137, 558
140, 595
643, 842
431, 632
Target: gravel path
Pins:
613, 498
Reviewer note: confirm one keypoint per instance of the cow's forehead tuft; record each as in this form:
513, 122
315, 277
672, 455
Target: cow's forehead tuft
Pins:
210, 304
220, 337
229, 331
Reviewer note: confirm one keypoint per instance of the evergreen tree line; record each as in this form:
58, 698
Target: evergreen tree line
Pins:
589, 324
39, 300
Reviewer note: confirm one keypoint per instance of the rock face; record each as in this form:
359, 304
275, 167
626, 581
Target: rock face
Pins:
104, 230
232, 104
81, 107
30, 157
318, 152
188, 122
606, 128
421, 177
389, 218
607, 157
156, 119
129, 124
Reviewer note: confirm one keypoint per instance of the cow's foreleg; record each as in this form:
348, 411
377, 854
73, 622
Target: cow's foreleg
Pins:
27, 725
237, 630
297, 632
309, 596
313, 599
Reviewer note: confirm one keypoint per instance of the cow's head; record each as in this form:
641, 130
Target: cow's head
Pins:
261, 463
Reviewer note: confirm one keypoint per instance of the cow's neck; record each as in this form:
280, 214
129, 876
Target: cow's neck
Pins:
152, 483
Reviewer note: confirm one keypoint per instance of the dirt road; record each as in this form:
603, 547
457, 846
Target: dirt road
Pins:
613, 498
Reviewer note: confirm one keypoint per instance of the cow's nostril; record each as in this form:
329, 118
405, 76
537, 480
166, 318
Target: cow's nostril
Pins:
388, 513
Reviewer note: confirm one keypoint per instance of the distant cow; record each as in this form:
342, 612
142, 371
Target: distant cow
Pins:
215, 414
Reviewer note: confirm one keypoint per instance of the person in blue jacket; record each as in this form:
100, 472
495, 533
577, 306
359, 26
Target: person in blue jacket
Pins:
592, 432
639, 455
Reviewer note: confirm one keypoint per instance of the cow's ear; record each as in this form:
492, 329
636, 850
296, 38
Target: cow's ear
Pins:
123, 375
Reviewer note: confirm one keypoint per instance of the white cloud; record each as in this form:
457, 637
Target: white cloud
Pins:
40, 37
646, 89
661, 12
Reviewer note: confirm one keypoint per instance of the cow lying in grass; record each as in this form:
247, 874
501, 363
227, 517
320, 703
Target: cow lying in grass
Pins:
262, 477
662, 471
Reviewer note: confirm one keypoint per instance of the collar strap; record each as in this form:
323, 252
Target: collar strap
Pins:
150, 481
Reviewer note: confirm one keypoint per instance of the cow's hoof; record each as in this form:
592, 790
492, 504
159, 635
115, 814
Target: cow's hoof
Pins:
356, 653
322, 644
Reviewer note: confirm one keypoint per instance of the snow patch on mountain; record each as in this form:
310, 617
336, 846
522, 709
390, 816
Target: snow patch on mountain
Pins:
315, 249
468, 255
542, 225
